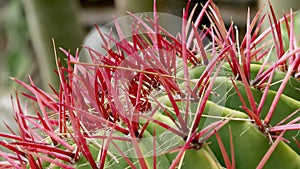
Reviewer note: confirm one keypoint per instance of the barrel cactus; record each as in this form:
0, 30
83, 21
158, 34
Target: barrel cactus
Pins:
160, 100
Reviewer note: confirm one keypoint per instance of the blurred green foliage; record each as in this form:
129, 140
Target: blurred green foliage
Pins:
15, 57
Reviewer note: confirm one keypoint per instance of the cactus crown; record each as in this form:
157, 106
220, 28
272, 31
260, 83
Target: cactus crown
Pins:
157, 100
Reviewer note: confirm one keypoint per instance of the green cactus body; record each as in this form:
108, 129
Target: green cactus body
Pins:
141, 105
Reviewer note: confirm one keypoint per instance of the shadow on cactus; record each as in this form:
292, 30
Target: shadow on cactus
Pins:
154, 99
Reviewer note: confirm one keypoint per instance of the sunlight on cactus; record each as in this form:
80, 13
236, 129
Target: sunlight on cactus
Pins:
199, 98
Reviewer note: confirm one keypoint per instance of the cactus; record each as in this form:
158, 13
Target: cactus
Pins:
155, 100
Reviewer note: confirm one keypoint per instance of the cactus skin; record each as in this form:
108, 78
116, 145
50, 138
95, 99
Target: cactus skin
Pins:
168, 124
247, 137
288, 103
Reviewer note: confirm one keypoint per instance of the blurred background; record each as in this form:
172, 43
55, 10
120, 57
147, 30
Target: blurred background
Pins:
27, 26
